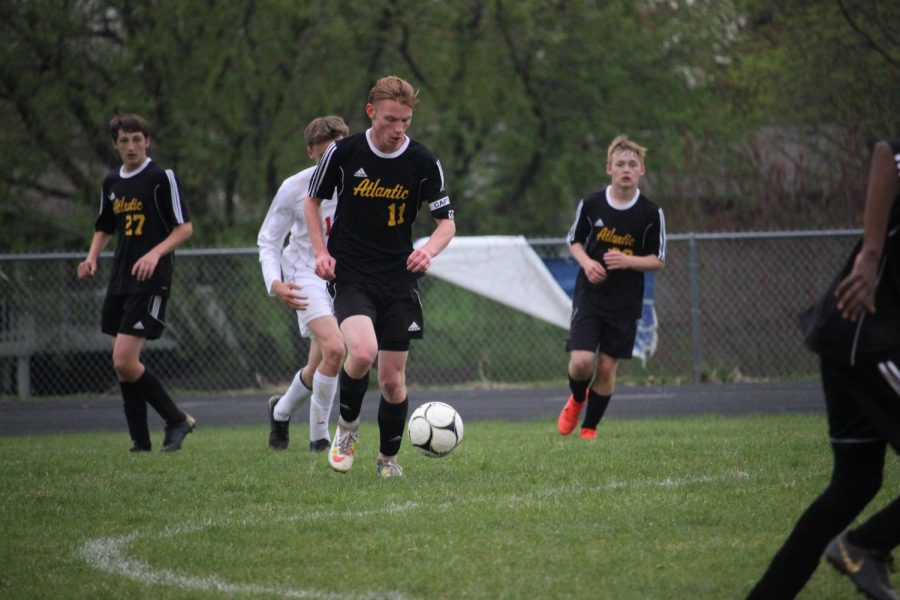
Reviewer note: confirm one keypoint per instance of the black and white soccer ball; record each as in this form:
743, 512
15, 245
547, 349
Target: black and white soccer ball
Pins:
435, 428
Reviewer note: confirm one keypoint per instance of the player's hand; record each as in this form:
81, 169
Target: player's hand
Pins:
856, 292
87, 269
616, 260
419, 261
145, 266
595, 272
285, 293
325, 266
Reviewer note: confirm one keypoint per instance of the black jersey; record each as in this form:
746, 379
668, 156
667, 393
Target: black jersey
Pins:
638, 229
379, 197
142, 207
874, 336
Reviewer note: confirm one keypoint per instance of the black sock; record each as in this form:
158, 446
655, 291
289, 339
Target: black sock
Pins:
156, 396
881, 531
578, 389
391, 420
352, 393
855, 480
596, 408
135, 415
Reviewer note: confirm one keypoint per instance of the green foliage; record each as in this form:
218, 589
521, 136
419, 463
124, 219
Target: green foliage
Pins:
518, 99
683, 508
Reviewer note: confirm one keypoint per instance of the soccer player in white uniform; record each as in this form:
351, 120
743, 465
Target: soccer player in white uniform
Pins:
289, 273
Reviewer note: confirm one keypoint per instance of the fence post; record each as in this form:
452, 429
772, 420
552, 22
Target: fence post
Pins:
696, 353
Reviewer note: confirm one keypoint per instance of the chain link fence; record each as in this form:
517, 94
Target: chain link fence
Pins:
727, 306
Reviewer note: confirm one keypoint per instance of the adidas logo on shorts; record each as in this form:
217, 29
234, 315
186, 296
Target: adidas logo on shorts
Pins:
414, 327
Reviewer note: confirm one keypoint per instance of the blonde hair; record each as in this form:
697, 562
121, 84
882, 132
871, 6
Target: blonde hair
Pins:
325, 129
622, 144
393, 88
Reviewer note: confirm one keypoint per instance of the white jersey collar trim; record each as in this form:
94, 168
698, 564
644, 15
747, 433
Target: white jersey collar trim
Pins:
125, 175
618, 204
378, 152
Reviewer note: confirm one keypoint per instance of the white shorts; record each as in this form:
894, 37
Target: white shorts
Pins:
318, 300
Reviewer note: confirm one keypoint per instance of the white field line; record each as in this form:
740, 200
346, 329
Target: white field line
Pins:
109, 554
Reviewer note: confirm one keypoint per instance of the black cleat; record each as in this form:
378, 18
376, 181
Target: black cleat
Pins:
140, 448
176, 433
319, 445
866, 568
278, 430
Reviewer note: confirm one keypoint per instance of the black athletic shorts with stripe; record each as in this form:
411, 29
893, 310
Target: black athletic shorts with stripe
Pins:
140, 315
863, 401
395, 310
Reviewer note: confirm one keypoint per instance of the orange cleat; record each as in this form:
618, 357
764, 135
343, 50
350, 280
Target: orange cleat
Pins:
568, 418
588, 434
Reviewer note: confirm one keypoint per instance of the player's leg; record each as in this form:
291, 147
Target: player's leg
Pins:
124, 355
864, 554
616, 343
362, 349
584, 335
330, 352
600, 393
580, 372
393, 408
856, 477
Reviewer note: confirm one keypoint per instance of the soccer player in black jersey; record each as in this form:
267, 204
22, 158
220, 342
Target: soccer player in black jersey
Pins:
855, 329
382, 178
141, 203
618, 234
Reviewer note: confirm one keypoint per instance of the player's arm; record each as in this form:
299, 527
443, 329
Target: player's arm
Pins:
88, 267
593, 270
420, 259
856, 292
312, 210
616, 260
145, 266
270, 240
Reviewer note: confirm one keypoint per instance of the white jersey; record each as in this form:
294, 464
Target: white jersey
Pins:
289, 263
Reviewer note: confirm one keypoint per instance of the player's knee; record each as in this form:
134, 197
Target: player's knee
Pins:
126, 369
581, 369
333, 352
393, 387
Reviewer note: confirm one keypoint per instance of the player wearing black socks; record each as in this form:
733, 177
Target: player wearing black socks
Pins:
141, 203
855, 329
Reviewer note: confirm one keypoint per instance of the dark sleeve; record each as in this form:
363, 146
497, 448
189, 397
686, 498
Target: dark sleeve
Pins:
106, 221
434, 191
170, 201
581, 227
326, 177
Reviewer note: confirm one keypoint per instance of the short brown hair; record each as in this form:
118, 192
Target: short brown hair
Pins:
622, 143
129, 123
325, 129
394, 88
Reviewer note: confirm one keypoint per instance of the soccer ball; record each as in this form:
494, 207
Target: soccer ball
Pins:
435, 429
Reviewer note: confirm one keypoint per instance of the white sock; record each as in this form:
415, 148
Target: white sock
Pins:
295, 394
323, 390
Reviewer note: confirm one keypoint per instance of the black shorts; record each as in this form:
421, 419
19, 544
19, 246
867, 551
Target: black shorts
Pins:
395, 310
140, 315
862, 405
600, 333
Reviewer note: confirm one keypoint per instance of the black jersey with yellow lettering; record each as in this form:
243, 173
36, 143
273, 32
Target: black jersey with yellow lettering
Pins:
639, 228
141, 207
379, 196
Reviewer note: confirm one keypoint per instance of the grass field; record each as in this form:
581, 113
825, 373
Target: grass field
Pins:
685, 508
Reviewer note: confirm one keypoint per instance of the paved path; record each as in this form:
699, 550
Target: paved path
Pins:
105, 413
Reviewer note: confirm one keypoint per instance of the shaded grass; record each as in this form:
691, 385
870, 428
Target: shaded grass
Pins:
678, 508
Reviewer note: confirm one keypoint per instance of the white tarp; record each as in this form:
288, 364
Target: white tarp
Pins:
507, 270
